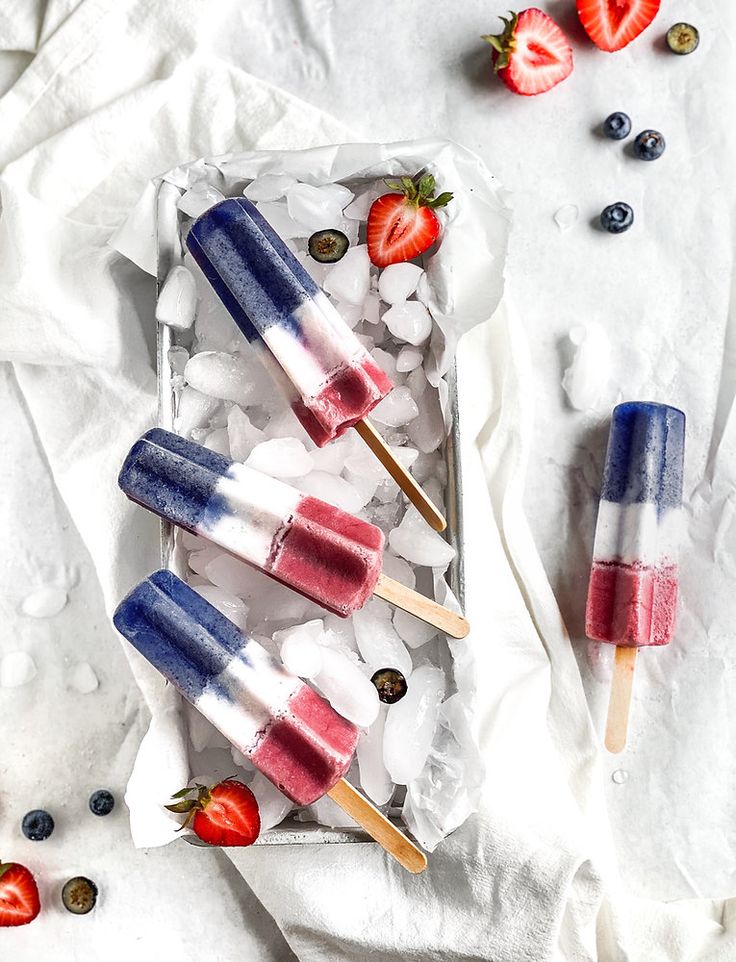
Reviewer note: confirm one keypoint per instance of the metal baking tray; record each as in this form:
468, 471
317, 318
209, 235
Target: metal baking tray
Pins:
169, 254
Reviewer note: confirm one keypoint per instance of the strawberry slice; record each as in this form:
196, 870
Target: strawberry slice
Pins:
612, 24
532, 54
226, 814
402, 226
19, 901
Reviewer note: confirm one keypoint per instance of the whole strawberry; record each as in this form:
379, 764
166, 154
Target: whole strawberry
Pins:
612, 24
19, 901
532, 54
402, 226
225, 814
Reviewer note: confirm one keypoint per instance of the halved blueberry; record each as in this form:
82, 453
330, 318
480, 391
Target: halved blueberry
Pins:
682, 38
391, 685
328, 246
79, 895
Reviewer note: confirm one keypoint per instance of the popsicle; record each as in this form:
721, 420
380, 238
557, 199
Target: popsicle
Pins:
632, 593
325, 554
281, 725
330, 380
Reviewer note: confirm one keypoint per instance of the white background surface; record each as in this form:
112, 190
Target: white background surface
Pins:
662, 292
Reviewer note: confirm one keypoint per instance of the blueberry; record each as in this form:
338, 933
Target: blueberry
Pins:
101, 802
617, 125
328, 246
391, 685
682, 38
37, 825
649, 145
616, 218
79, 895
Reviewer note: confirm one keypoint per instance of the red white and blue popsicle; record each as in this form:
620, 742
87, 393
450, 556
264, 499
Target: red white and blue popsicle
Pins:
287, 731
324, 553
329, 378
632, 594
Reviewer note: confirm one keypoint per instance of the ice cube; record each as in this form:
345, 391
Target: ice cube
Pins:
44, 602
243, 436
278, 217
18, 668
411, 724
418, 543
83, 678
217, 440
352, 314
317, 208
384, 516
396, 409
199, 559
398, 282
300, 648
360, 207
399, 570
273, 805
586, 379
326, 812
226, 603
281, 458
427, 432
386, 361
350, 692
372, 309
202, 733
332, 489
234, 576
409, 358
413, 632
349, 280
284, 424
214, 329
316, 270
410, 321
199, 198
177, 357
417, 383
339, 633
429, 466
220, 375
331, 458
377, 641
374, 779
363, 463
189, 541
566, 217
177, 300
269, 187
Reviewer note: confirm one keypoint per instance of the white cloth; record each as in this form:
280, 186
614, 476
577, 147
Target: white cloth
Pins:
118, 92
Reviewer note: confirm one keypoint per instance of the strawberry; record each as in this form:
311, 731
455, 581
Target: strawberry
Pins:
402, 226
611, 24
19, 901
532, 54
226, 814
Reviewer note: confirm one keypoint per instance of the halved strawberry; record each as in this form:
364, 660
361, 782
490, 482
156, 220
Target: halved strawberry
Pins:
402, 226
611, 24
226, 814
19, 901
532, 54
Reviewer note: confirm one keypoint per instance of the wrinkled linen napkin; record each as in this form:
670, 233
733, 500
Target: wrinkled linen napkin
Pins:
104, 107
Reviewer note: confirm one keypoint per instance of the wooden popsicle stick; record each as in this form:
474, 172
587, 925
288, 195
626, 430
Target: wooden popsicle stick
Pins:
378, 827
423, 608
401, 476
618, 707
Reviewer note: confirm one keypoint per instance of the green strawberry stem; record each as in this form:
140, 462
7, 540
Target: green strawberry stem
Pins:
419, 191
503, 43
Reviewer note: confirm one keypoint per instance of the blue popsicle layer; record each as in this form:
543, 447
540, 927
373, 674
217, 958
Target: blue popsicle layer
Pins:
175, 478
257, 277
179, 632
644, 460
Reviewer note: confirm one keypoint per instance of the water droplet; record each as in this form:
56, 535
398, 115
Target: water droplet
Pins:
16, 668
45, 602
566, 217
620, 776
83, 678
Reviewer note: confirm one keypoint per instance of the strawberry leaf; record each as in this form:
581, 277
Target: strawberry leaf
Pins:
184, 792
442, 201
183, 808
